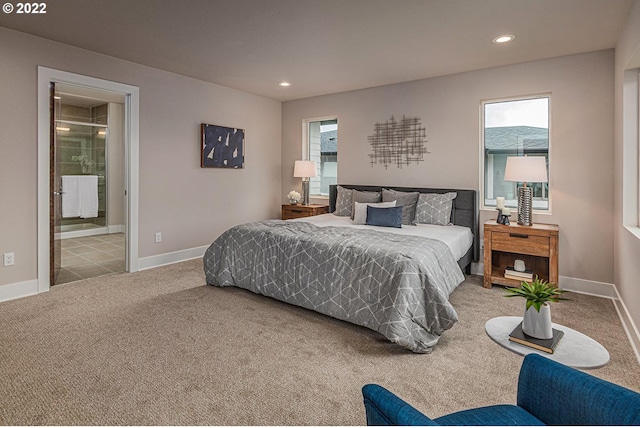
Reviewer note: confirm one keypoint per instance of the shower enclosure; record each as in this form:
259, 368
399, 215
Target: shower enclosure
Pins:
81, 150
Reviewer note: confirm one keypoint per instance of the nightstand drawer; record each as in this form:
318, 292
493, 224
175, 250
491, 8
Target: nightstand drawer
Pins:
297, 213
523, 243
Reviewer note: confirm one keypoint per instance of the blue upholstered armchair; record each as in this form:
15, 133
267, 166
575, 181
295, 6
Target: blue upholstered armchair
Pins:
549, 393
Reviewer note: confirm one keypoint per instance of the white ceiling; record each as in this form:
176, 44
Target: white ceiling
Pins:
325, 46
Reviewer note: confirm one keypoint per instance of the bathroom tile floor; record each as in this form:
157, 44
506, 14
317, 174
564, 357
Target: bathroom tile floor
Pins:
91, 256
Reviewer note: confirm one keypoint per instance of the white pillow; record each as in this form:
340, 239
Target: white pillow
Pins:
360, 216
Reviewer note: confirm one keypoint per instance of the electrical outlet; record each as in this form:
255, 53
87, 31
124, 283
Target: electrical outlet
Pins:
9, 259
158, 236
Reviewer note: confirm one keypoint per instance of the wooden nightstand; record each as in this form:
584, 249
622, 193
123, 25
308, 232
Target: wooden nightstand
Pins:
536, 245
296, 211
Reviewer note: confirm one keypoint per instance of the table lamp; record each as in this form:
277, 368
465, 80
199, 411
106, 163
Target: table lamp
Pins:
532, 169
304, 169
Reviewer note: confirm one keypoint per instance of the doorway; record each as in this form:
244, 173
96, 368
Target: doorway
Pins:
87, 138
87, 161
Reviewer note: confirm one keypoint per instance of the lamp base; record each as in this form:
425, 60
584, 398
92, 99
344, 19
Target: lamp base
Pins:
305, 192
525, 206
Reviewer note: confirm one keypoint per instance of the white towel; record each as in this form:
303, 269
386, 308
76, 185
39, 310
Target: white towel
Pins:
70, 196
80, 196
88, 196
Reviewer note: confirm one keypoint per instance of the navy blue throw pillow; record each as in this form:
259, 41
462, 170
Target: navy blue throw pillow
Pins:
386, 217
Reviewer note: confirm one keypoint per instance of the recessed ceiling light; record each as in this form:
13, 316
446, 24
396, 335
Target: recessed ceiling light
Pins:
505, 38
285, 84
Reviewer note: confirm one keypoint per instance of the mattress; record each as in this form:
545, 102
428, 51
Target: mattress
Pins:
458, 238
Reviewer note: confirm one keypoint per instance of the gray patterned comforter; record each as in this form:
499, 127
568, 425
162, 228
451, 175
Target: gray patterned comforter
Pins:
395, 284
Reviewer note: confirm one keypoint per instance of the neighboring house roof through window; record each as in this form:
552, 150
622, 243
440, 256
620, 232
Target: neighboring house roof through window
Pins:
329, 142
516, 139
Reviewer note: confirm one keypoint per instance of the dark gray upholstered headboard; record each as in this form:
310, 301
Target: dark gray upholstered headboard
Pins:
464, 212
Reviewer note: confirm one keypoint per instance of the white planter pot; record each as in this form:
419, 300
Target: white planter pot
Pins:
538, 324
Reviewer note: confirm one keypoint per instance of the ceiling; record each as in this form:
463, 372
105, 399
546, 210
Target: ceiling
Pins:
326, 46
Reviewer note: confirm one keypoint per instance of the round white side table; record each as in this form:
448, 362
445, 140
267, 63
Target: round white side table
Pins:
574, 349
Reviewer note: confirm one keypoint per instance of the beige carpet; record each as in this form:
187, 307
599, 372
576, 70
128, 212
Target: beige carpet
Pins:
161, 348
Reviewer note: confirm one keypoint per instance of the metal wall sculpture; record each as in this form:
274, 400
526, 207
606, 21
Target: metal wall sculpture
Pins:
398, 142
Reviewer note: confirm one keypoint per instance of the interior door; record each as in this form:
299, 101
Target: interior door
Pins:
55, 189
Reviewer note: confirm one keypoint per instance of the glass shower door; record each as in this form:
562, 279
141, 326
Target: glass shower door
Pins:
55, 189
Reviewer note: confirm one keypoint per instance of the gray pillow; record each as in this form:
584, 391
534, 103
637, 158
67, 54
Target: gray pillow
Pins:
435, 208
407, 200
358, 196
360, 210
343, 202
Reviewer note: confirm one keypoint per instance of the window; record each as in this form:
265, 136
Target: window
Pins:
514, 127
322, 147
631, 151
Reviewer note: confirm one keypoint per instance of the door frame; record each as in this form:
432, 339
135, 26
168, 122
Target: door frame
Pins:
132, 150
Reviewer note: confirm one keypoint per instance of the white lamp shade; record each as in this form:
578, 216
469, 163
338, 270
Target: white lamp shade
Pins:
526, 169
304, 169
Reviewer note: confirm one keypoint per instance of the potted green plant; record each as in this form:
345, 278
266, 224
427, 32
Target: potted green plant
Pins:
537, 314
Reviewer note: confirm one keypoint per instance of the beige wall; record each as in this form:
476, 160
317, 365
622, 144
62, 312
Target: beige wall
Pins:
581, 170
627, 239
189, 205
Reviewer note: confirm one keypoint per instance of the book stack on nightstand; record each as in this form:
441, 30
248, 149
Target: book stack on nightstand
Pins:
511, 273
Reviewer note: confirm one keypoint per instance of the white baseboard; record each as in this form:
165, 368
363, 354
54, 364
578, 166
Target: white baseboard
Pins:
18, 289
29, 288
477, 268
584, 286
170, 258
627, 323
607, 291
116, 228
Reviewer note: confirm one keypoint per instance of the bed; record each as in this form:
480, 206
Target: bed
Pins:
395, 282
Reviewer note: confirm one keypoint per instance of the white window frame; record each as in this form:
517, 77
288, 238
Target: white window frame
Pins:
547, 95
305, 144
631, 151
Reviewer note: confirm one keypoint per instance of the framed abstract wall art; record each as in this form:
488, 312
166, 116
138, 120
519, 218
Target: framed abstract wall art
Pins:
222, 147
